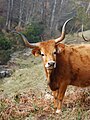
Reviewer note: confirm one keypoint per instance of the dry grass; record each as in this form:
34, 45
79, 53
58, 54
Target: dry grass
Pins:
86, 34
77, 38
22, 96
31, 106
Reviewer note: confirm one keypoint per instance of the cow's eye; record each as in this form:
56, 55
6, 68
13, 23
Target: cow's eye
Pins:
55, 53
42, 54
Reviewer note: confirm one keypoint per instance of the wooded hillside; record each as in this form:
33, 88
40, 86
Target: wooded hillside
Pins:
51, 13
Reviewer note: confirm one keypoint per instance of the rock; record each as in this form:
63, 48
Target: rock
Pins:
2, 74
8, 73
48, 96
5, 73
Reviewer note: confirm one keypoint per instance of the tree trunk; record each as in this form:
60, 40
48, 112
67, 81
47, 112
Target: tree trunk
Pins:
8, 13
53, 14
88, 8
20, 13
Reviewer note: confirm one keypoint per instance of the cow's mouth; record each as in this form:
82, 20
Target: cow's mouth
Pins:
50, 68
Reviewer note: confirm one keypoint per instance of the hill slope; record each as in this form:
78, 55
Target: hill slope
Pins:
23, 95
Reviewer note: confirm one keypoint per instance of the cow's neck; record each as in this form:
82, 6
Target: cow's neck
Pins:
51, 78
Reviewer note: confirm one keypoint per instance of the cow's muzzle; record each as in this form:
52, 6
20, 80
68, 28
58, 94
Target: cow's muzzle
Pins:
50, 65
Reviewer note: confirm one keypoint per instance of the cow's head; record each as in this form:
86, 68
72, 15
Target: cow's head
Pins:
47, 49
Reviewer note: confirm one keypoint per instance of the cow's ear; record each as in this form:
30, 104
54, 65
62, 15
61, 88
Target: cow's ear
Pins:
60, 48
36, 51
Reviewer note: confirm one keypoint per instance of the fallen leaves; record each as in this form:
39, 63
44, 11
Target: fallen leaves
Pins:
30, 105
21, 105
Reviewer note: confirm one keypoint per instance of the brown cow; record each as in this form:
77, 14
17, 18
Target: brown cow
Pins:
64, 65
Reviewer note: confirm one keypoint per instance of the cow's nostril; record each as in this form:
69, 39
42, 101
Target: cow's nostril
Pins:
51, 63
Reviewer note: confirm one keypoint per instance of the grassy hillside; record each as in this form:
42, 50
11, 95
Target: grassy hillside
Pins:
27, 73
23, 95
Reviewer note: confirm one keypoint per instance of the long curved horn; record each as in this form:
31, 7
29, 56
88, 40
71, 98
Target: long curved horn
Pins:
31, 45
83, 35
63, 32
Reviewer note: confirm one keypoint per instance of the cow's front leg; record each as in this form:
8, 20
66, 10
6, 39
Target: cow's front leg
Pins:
60, 97
55, 95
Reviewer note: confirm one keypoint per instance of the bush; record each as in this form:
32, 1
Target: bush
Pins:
4, 56
5, 44
5, 49
34, 31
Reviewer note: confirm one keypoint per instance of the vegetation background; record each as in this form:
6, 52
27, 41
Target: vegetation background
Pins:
23, 95
39, 20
